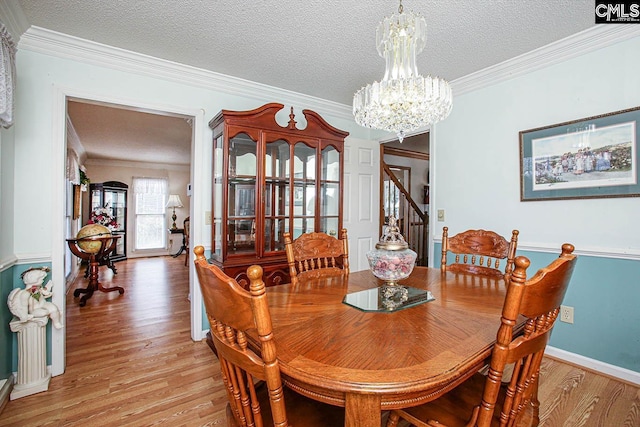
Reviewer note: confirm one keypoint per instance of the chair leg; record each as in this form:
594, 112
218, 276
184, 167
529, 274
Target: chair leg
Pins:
535, 403
393, 419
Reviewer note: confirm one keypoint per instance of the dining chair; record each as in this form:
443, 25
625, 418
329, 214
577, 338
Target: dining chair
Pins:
478, 252
514, 402
252, 379
186, 226
312, 254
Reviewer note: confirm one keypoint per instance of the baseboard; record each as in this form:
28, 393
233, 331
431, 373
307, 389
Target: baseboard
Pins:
622, 374
5, 392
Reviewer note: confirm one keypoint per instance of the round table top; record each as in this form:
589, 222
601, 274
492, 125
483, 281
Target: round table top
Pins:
327, 348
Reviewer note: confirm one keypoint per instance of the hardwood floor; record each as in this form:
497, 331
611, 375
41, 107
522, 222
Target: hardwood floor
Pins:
130, 358
131, 362
571, 396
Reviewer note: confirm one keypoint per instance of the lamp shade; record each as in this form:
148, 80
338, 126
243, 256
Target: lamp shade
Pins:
174, 201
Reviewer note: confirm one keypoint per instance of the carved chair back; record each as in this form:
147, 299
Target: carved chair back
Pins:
538, 300
478, 252
316, 253
252, 380
231, 311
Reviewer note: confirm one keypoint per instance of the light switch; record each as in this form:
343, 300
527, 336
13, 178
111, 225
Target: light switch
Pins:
441, 215
207, 218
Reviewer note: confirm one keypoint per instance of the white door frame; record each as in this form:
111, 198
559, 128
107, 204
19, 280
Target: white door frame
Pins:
59, 137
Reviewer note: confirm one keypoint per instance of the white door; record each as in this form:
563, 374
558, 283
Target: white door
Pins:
361, 199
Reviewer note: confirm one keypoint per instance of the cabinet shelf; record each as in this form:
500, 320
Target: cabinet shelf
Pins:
269, 180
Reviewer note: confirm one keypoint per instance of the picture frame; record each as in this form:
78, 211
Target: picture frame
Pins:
76, 202
594, 157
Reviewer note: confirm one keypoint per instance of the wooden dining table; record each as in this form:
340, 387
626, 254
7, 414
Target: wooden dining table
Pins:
369, 362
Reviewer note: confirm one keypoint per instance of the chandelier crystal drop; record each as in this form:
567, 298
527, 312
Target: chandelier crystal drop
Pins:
404, 100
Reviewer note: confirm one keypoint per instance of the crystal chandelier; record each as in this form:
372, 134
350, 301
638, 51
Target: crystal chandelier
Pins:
404, 100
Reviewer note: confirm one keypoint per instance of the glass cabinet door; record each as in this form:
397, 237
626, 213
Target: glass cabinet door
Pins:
277, 194
116, 201
241, 214
304, 189
330, 191
112, 195
218, 191
268, 180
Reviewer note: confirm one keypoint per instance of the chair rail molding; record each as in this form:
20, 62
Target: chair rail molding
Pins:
7, 263
616, 253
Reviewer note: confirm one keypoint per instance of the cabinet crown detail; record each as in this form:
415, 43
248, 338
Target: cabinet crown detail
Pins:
264, 118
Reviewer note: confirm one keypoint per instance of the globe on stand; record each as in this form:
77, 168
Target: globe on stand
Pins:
85, 235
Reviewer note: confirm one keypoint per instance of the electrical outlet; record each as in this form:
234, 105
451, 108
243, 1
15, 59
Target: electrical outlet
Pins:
440, 215
566, 314
207, 218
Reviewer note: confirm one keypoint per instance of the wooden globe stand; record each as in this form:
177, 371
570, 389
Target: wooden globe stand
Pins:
107, 245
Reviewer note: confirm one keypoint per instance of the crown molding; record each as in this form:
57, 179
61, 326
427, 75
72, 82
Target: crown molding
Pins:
14, 19
62, 45
53, 43
581, 43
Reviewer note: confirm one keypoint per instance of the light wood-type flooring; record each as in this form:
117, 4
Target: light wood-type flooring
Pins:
131, 362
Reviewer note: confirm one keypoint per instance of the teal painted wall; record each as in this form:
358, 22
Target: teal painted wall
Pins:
10, 279
6, 336
604, 293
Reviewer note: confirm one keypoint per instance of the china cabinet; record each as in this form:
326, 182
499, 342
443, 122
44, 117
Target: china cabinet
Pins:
112, 195
268, 180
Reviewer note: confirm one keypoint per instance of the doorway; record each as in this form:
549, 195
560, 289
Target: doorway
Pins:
404, 172
195, 117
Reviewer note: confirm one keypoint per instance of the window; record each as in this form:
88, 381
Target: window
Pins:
150, 196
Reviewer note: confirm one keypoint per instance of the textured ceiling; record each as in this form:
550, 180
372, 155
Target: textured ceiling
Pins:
109, 133
323, 48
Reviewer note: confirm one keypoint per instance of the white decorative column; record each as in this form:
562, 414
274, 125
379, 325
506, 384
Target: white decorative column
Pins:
33, 376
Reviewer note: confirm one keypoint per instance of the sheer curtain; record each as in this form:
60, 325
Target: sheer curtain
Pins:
7, 76
150, 197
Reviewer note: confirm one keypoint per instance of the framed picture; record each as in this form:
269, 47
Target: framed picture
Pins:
76, 201
587, 158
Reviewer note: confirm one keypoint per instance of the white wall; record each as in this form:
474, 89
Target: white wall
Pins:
44, 82
7, 190
475, 163
476, 154
177, 176
41, 77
